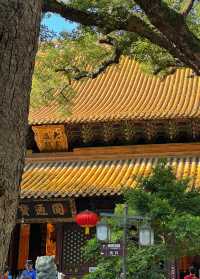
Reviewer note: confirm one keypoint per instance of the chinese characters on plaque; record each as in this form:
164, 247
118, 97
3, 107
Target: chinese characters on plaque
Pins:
44, 209
50, 137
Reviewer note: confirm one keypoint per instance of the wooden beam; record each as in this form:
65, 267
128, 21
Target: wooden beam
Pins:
118, 152
59, 245
46, 220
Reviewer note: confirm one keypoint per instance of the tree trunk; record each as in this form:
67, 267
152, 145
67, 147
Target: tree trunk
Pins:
19, 31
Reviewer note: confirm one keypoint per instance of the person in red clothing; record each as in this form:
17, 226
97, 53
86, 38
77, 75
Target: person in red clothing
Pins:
5, 275
192, 274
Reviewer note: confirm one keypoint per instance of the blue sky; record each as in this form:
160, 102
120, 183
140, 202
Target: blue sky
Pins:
58, 24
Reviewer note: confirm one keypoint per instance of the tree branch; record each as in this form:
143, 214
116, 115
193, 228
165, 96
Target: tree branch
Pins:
170, 68
170, 30
109, 24
186, 46
113, 60
138, 26
103, 66
187, 7
131, 24
85, 18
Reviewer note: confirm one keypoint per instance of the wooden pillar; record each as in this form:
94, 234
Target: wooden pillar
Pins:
59, 245
43, 239
23, 245
184, 263
177, 269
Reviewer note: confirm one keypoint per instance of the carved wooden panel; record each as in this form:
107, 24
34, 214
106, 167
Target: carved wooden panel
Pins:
50, 138
108, 132
51, 240
128, 130
74, 263
195, 124
172, 130
150, 131
87, 133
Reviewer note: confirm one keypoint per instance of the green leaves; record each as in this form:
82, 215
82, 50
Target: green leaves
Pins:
153, 59
184, 238
159, 51
145, 262
104, 6
58, 62
173, 207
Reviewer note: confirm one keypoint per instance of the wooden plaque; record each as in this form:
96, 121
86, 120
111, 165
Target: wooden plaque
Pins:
50, 138
44, 211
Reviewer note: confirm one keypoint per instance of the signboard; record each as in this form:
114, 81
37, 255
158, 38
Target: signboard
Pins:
50, 137
42, 209
92, 268
112, 249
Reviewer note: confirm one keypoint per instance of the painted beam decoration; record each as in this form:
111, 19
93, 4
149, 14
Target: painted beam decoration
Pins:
43, 210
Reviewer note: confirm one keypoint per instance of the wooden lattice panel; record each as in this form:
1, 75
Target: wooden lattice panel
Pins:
74, 240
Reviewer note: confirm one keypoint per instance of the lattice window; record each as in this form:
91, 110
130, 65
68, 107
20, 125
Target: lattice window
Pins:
74, 240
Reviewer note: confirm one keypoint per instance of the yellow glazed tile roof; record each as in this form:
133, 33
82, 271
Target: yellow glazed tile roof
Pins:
125, 92
96, 178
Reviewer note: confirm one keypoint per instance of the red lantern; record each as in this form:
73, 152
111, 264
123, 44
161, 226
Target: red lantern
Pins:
87, 219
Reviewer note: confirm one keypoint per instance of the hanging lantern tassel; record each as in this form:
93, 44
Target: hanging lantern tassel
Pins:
87, 230
87, 219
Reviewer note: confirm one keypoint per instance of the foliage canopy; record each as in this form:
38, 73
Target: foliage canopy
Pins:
161, 35
174, 209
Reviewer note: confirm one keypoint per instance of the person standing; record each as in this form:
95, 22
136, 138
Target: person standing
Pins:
5, 275
191, 275
9, 275
29, 272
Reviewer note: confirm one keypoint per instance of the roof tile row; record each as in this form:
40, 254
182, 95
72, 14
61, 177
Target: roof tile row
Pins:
124, 92
96, 178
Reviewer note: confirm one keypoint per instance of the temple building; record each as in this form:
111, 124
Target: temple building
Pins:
120, 124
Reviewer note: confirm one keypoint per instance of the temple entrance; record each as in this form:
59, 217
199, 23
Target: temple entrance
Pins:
28, 242
32, 242
47, 228
37, 241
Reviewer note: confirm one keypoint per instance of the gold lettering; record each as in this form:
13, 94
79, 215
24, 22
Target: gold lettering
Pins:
24, 210
58, 209
40, 210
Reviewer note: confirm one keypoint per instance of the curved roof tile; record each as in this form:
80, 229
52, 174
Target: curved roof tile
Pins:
125, 92
96, 178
